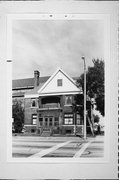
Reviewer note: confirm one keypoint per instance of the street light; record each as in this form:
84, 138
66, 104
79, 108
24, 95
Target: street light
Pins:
83, 58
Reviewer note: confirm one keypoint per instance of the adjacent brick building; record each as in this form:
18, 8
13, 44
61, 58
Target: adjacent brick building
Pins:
48, 103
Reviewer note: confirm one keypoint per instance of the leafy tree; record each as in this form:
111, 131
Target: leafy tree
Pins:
18, 115
96, 118
95, 83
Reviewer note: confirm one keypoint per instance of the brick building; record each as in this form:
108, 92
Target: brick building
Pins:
48, 103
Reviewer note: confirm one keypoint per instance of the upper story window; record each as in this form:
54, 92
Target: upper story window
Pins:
33, 103
78, 119
59, 82
68, 100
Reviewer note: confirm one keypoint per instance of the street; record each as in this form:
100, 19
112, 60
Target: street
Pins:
30, 147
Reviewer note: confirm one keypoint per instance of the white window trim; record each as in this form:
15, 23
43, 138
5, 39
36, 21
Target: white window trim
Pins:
34, 118
67, 104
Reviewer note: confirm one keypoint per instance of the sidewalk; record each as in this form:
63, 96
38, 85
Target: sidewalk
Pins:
26, 146
95, 148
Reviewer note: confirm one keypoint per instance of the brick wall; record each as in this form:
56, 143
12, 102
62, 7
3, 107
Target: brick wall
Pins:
54, 113
30, 129
29, 111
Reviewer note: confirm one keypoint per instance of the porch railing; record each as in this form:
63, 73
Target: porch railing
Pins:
53, 105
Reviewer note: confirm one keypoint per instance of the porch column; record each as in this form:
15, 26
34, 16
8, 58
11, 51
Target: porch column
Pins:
37, 123
74, 120
60, 119
53, 121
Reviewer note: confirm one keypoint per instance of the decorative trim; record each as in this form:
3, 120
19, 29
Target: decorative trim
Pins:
31, 96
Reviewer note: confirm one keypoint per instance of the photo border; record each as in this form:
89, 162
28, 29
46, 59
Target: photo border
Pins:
106, 20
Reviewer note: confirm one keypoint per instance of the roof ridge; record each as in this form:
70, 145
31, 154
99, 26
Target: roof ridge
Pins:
53, 75
29, 78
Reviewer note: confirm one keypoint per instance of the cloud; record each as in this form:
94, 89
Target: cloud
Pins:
46, 45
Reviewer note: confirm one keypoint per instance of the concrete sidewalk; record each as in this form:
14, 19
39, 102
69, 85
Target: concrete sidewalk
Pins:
28, 146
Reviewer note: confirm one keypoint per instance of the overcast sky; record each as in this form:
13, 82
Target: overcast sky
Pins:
45, 45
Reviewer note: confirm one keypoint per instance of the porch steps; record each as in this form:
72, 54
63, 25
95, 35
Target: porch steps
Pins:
46, 132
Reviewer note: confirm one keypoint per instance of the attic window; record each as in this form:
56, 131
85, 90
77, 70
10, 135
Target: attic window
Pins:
59, 82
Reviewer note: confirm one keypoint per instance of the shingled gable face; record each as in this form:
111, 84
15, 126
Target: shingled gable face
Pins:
59, 83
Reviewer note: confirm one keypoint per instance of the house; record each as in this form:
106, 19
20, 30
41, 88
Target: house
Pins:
48, 103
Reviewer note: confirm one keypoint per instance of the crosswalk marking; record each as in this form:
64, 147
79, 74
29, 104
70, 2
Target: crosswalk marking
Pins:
49, 150
83, 148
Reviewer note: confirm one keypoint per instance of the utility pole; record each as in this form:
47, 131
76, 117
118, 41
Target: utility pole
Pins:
85, 133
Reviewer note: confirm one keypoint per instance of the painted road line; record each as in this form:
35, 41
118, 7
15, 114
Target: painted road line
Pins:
83, 148
49, 150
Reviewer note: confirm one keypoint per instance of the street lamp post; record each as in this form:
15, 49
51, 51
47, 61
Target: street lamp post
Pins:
83, 58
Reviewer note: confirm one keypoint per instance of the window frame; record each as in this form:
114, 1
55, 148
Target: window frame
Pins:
59, 82
34, 100
41, 122
34, 119
68, 117
66, 99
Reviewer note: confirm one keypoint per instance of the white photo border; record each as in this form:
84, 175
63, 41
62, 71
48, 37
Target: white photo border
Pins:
106, 19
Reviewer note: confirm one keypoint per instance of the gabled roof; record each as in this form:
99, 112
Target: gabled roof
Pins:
24, 84
18, 94
51, 77
50, 86
27, 83
35, 90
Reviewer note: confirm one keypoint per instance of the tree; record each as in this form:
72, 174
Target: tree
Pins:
95, 83
18, 116
96, 118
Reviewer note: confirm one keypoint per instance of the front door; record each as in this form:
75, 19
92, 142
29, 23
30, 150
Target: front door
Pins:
48, 121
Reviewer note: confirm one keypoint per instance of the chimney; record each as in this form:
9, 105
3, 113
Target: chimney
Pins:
36, 78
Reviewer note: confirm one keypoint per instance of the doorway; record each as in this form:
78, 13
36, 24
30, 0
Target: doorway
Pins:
48, 121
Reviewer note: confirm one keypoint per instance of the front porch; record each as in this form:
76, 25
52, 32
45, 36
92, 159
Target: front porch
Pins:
55, 121
72, 130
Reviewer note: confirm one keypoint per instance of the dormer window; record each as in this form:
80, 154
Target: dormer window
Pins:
59, 82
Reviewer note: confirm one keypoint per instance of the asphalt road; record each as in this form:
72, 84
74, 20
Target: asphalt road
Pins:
46, 147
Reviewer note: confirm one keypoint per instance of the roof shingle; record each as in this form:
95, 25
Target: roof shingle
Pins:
27, 83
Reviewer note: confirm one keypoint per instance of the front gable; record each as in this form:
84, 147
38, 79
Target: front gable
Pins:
59, 83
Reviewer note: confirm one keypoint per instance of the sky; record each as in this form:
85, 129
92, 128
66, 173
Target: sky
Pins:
46, 45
